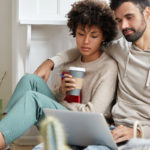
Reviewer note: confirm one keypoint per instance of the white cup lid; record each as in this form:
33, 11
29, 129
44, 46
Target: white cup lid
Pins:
77, 69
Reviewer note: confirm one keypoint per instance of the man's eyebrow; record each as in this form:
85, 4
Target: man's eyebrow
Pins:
129, 14
126, 15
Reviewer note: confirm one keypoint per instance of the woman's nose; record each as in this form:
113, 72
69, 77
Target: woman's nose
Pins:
86, 39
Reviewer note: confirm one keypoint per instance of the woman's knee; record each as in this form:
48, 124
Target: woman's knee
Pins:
28, 77
29, 98
31, 79
31, 95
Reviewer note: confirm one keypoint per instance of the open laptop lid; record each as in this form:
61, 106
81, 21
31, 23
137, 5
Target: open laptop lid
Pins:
84, 128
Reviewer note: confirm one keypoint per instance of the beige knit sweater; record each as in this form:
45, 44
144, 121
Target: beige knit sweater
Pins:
98, 85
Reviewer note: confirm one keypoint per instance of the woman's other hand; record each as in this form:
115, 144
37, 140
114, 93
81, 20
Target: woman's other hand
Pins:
44, 69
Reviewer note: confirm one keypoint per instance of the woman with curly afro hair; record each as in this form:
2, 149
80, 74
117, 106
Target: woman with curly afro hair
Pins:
93, 12
92, 23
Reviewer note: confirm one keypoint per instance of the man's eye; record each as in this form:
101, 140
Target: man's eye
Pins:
118, 21
129, 17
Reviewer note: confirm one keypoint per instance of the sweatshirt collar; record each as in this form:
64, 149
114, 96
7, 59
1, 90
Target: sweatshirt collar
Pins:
102, 56
133, 46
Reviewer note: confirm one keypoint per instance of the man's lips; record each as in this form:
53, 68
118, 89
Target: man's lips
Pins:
127, 32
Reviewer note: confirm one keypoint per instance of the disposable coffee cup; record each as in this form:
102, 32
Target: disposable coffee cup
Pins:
77, 74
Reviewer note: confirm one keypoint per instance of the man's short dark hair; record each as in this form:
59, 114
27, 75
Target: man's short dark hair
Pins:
93, 12
114, 4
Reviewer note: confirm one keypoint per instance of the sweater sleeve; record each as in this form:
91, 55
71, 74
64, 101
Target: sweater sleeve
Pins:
104, 93
111, 48
65, 57
102, 96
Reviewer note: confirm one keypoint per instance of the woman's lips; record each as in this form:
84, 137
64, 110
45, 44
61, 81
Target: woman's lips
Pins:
85, 48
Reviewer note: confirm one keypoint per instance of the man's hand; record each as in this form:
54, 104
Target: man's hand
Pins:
123, 133
44, 69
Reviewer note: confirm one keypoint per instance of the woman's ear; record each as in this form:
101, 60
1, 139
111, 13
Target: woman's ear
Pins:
102, 42
103, 38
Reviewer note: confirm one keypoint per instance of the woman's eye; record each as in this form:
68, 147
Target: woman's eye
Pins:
94, 37
81, 34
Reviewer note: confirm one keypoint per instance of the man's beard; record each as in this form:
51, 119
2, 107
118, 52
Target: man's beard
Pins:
135, 35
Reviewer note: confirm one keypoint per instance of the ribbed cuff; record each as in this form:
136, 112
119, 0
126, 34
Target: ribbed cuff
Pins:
56, 60
5, 133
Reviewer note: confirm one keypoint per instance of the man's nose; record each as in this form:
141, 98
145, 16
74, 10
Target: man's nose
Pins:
124, 24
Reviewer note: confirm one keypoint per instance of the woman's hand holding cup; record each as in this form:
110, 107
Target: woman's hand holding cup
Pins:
67, 84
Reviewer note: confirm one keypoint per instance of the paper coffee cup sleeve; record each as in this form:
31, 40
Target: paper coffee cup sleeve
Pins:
79, 82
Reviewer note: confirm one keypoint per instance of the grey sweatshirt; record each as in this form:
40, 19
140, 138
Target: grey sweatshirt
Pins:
133, 93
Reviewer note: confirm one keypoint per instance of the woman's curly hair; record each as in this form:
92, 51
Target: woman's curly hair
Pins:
93, 12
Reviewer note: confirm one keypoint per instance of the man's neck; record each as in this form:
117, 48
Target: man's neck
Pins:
144, 42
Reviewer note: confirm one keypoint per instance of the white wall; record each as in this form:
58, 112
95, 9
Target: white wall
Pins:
5, 49
47, 41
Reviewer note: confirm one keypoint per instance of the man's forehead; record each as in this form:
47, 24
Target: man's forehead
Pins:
126, 8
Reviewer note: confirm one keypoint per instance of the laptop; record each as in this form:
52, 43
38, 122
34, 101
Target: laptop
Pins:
84, 128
